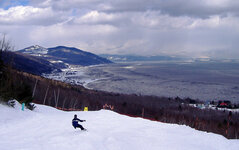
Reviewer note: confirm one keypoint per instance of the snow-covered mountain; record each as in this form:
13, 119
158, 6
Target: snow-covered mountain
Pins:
65, 55
47, 128
35, 50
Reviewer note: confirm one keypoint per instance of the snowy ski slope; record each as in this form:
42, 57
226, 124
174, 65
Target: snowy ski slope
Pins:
46, 128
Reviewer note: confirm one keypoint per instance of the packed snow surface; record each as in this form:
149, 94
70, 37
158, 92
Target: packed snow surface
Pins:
46, 128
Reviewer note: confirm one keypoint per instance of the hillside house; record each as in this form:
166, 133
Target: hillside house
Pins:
224, 104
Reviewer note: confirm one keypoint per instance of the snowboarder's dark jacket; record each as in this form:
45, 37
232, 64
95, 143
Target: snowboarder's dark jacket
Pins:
75, 121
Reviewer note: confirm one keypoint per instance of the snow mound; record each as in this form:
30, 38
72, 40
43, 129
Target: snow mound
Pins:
47, 128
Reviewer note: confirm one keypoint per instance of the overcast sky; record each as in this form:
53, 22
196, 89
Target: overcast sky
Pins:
195, 28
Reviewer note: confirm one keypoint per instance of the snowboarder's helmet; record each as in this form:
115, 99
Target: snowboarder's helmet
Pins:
75, 115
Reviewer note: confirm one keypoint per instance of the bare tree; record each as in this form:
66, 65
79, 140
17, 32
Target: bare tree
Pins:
45, 95
75, 103
142, 112
57, 99
63, 105
4, 46
33, 93
71, 103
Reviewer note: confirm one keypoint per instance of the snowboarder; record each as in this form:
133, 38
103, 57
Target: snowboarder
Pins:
75, 123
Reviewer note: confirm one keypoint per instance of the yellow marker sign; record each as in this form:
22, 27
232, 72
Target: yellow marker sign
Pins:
86, 109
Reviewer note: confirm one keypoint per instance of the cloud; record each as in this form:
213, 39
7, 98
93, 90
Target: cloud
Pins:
28, 15
95, 17
192, 8
181, 27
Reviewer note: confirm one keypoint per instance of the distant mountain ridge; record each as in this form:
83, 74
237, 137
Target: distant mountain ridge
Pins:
129, 58
38, 60
28, 63
65, 55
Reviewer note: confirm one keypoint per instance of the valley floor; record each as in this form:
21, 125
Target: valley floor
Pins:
47, 128
203, 81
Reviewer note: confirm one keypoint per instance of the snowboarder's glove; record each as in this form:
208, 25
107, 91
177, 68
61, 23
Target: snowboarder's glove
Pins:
84, 120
